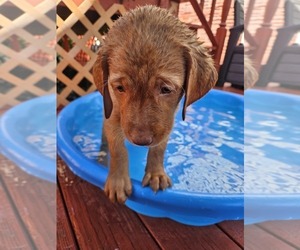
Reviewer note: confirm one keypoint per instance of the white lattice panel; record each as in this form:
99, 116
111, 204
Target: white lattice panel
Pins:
80, 31
27, 50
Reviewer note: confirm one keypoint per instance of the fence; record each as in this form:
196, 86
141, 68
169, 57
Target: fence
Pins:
80, 31
27, 50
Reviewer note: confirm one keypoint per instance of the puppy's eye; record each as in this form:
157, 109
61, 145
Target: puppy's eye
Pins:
165, 90
120, 88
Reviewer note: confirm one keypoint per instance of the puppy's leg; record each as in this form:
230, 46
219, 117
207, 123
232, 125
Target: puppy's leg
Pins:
155, 174
118, 185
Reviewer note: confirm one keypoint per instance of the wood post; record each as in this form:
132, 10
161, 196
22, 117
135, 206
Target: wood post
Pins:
221, 33
212, 12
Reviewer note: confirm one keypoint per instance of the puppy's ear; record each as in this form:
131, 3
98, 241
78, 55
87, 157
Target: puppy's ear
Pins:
200, 75
100, 74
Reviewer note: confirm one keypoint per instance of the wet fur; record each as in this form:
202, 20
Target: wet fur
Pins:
146, 50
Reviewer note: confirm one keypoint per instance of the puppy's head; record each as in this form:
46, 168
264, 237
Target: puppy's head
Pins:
148, 62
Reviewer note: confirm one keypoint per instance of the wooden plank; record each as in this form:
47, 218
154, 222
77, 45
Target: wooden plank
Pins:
235, 77
294, 48
172, 235
34, 201
290, 58
238, 58
98, 223
234, 230
286, 78
12, 233
258, 239
288, 68
65, 234
236, 67
287, 231
291, 13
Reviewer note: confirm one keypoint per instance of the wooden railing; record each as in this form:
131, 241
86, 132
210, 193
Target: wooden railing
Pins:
221, 32
217, 40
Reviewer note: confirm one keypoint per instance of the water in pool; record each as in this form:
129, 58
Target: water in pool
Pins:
28, 136
272, 143
39, 133
204, 152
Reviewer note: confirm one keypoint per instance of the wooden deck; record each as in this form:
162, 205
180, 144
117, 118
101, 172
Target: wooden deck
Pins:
281, 235
27, 210
86, 219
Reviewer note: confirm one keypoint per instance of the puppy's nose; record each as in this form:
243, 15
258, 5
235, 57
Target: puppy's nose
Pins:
142, 140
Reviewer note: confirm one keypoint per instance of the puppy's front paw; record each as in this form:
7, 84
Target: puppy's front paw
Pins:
118, 188
157, 180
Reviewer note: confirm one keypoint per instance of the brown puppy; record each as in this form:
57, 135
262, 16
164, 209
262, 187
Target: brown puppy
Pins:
148, 62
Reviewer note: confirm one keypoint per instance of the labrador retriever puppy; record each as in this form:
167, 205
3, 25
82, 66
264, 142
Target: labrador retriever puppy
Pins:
148, 62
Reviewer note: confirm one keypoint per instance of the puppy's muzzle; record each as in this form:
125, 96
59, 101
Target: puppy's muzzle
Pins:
144, 141
140, 137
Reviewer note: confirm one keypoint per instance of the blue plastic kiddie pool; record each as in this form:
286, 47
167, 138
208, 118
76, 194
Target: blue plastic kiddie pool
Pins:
28, 136
272, 156
204, 158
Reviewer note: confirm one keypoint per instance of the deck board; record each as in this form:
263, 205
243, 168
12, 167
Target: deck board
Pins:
98, 223
12, 233
234, 230
65, 235
257, 238
35, 204
172, 235
288, 231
